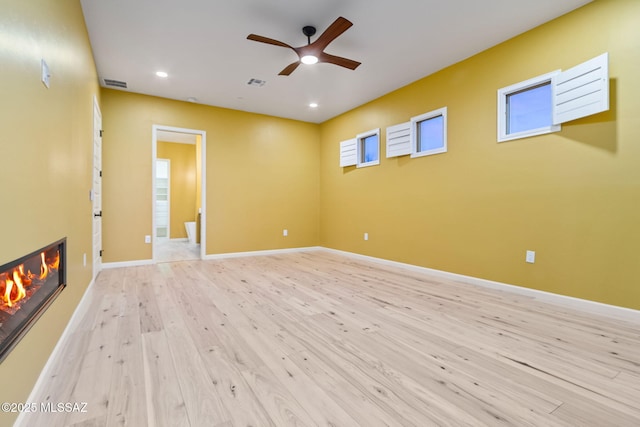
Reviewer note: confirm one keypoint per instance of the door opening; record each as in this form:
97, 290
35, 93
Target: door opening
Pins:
179, 166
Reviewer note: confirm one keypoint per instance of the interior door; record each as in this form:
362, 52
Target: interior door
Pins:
97, 189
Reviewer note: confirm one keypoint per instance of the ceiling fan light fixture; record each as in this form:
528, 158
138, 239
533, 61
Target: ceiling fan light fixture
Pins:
314, 52
309, 59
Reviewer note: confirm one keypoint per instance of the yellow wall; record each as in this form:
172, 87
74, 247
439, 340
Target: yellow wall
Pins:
182, 185
262, 176
572, 196
46, 156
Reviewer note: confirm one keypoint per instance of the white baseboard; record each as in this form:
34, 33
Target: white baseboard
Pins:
592, 307
261, 253
44, 374
137, 263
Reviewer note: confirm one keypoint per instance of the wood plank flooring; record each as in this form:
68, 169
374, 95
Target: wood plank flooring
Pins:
320, 339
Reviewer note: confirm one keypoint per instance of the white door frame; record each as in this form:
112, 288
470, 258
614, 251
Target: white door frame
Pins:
96, 191
203, 182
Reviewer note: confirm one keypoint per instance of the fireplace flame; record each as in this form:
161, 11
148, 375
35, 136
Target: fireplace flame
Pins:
44, 269
15, 282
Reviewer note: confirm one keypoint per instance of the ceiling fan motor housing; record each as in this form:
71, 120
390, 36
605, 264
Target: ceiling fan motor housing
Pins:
309, 31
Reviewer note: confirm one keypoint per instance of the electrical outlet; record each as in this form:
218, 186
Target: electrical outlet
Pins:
366, 236
147, 239
84, 259
530, 257
285, 232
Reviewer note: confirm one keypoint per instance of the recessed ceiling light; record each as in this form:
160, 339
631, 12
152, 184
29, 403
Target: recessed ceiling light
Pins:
192, 99
313, 105
162, 74
309, 59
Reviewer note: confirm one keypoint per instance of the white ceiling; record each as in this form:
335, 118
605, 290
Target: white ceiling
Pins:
202, 45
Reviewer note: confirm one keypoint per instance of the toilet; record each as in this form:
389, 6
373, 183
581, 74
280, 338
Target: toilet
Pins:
191, 231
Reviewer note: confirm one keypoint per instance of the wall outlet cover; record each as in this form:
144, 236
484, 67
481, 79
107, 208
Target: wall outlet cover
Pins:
530, 257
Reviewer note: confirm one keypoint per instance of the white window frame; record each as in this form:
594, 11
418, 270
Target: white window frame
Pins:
360, 148
415, 121
502, 108
578, 92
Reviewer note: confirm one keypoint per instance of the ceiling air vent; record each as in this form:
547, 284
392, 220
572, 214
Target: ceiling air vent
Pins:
115, 83
256, 82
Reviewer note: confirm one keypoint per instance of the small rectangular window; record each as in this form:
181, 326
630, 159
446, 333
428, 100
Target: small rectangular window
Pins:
369, 148
529, 109
429, 133
525, 109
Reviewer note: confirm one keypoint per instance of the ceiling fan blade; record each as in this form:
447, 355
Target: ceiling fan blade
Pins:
338, 60
338, 27
267, 40
289, 69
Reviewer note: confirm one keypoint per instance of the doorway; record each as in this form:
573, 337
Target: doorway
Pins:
178, 192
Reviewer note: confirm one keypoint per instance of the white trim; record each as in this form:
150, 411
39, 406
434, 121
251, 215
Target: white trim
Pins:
414, 132
96, 267
590, 307
70, 328
502, 108
262, 253
121, 264
203, 183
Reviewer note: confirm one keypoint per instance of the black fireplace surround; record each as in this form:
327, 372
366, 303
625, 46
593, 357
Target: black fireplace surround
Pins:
28, 285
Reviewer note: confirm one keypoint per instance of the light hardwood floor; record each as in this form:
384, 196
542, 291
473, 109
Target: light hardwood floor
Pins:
322, 339
175, 250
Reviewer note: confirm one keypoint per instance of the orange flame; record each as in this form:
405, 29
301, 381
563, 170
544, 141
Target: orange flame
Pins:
14, 283
7, 292
20, 291
44, 269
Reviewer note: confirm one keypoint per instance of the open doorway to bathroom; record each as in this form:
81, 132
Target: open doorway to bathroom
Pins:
178, 193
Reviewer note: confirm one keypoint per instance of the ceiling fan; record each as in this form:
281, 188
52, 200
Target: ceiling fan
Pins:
314, 52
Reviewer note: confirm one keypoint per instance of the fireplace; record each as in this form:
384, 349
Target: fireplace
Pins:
28, 286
